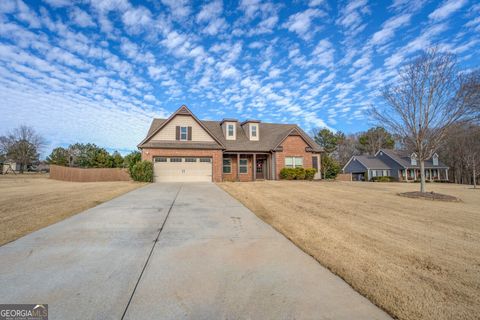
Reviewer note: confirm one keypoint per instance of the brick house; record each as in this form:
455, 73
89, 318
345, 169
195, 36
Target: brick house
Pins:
184, 148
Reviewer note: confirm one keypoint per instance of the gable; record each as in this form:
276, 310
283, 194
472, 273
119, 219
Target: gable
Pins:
168, 132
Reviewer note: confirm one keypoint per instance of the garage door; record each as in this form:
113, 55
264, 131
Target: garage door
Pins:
182, 169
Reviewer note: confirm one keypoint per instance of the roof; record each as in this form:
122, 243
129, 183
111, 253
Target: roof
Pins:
370, 162
403, 159
271, 135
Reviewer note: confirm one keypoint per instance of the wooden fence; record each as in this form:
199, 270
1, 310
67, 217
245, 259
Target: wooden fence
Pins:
88, 175
344, 177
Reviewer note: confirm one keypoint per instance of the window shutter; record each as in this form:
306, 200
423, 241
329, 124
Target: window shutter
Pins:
177, 133
189, 133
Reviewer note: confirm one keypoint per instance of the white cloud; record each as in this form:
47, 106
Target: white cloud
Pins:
27, 15
446, 9
351, 17
81, 18
59, 3
324, 53
180, 9
301, 23
315, 3
389, 28
136, 19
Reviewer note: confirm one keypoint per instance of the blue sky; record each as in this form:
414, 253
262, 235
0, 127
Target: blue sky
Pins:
100, 70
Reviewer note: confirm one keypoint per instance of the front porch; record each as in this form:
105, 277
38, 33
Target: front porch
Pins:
245, 166
431, 174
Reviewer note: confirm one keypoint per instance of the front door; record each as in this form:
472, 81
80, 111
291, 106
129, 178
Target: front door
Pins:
259, 169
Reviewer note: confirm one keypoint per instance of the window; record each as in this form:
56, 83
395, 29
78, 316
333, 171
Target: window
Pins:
385, 173
227, 165
175, 159
205, 160
293, 162
190, 159
160, 159
413, 159
374, 173
184, 133
254, 131
230, 130
435, 160
243, 166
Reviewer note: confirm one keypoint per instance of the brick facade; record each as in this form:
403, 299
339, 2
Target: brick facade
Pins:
233, 175
216, 155
293, 146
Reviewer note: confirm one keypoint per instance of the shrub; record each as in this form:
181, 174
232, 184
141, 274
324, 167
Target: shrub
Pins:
142, 171
383, 179
287, 173
299, 174
131, 159
310, 173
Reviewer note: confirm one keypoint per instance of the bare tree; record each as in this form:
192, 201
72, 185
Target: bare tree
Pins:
471, 155
22, 145
424, 103
471, 90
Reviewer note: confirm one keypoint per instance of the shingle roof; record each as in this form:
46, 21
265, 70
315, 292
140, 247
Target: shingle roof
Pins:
370, 162
404, 160
270, 136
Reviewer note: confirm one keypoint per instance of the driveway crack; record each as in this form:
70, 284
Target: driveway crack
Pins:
151, 252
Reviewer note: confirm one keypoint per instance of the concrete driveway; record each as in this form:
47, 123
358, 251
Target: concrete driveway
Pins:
172, 251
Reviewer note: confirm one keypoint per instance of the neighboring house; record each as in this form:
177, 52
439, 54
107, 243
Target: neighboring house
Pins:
393, 164
9, 166
184, 148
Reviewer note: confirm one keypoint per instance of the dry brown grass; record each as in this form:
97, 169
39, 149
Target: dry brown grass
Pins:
417, 259
30, 202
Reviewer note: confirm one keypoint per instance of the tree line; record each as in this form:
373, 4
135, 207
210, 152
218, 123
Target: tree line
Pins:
89, 155
340, 147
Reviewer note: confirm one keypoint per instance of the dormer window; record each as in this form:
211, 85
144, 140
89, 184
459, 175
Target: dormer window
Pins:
435, 159
184, 133
230, 130
253, 132
413, 159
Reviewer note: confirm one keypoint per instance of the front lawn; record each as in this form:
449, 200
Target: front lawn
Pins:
29, 202
417, 259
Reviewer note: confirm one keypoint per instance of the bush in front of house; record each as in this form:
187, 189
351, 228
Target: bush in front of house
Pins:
297, 174
142, 171
310, 173
287, 173
383, 179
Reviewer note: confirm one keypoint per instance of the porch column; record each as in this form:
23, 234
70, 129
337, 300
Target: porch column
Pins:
431, 178
238, 166
446, 174
254, 166
415, 174
406, 174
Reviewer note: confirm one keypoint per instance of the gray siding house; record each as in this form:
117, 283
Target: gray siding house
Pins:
390, 163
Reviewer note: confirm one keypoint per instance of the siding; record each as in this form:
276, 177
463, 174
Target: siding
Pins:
168, 132
395, 167
355, 166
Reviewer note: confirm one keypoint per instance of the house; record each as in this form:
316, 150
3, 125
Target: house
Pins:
390, 163
184, 148
10, 167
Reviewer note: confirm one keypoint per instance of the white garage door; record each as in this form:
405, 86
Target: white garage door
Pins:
182, 169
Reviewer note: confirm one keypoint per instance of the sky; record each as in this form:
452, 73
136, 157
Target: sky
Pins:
99, 70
